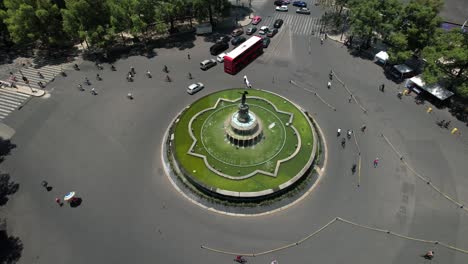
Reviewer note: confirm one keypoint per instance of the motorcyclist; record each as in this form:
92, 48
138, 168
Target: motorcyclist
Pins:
429, 255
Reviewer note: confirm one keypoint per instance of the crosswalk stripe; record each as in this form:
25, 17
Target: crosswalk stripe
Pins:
5, 110
2, 99
7, 106
15, 95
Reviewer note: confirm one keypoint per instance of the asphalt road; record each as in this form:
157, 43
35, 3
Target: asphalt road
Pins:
107, 149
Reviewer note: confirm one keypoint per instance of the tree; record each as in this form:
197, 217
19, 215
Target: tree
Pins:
29, 21
365, 19
447, 59
3, 28
87, 20
420, 21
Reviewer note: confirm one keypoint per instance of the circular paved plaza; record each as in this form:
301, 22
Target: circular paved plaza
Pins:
107, 149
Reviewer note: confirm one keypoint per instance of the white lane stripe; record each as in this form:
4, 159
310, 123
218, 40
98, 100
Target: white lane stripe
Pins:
11, 96
4, 114
303, 22
7, 111
7, 106
9, 101
14, 93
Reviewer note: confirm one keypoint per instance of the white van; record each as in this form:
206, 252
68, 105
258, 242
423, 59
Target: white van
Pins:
206, 64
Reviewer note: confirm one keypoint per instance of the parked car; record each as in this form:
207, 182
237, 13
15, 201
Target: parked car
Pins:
272, 32
218, 47
195, 87
300, 4
238, 40
278, 23
220, 57
256, 20
286, 2
303, 10
282, 8
206, 64
251, 30
263, 30
225, 38
266, 42
279, 3
237, 32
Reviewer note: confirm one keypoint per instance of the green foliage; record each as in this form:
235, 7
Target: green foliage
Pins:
365, 19
29, 21
97, 22
87, 20
447, 59
420, 22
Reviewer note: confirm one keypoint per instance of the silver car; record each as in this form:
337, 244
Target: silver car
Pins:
195, 87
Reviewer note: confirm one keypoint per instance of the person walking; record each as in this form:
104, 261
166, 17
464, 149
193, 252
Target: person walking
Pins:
329, 84
188, 56
382, 87
58, 201
350, 99
376, 162
321, 41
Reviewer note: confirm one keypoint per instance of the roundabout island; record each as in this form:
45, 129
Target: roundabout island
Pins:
241, 146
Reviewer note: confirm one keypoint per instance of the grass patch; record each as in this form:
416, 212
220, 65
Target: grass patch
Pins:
279, 143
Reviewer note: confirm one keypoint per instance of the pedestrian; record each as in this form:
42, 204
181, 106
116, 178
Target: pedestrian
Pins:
376, 162
353, 168
321, 41
363, 128
382, 87
329, 84
188, 56
350, 99
330, 75
58, 201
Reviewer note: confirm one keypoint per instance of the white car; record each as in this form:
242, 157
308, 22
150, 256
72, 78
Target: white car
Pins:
263, 30
220, 57
195, 87
282, 8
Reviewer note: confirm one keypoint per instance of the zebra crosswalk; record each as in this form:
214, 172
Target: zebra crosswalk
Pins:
10, 101
299, 24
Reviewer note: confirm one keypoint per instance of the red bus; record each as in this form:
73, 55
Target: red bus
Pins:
239, 57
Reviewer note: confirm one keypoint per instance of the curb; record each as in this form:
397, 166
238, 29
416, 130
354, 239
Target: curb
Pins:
167, 171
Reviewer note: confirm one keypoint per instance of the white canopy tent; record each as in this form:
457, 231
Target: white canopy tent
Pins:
435, 89
381, 57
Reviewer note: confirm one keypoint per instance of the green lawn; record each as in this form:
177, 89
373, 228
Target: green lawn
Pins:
279, 142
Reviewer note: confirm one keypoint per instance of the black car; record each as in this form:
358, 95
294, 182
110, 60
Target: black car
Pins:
251, 30
225, 39
266, 42
272, 32
238, 40
278, 23
218, 48
279, 2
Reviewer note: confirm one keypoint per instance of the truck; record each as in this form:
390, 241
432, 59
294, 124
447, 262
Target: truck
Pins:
204, 28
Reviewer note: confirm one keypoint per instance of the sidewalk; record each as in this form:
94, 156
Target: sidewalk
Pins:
25, 90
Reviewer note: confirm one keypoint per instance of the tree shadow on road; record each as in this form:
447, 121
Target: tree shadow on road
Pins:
5, 148
7, 188
10, 246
